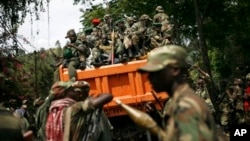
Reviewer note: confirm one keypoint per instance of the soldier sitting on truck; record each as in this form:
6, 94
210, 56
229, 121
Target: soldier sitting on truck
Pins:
71, 53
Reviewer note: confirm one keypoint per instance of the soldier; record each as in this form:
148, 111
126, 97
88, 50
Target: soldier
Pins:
239, 108
139, 32
72, 111
187, 116
71, 53
127, 37
226, 108
162, 18
157, 39
107, 26
119, 38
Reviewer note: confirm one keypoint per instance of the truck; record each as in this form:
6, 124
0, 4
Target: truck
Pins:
126, 84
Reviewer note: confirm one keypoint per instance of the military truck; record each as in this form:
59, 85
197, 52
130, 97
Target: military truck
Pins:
127, 85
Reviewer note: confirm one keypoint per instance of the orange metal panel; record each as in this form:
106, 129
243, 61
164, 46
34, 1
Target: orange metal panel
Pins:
122, 80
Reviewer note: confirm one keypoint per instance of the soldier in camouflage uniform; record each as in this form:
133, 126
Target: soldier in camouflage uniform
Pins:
226, 107
157, 39
71, 53
139, 34
201, 87
128, 37
239, 109
187, 116
107, 26
119, 38
162, 18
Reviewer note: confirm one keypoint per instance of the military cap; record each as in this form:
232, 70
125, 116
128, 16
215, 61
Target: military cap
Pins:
156, 24
161, 57
60, 87
106, 16
145, 17
159, 9
70, 32
248, 76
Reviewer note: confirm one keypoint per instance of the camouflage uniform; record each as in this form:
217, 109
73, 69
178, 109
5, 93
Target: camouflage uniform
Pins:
239, 109
202, 91
71, 54
128, 37
107, 26
186, 116
139, 33
162, 18
157, 38
119, 38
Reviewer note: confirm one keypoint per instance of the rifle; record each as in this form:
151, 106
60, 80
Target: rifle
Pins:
112, 45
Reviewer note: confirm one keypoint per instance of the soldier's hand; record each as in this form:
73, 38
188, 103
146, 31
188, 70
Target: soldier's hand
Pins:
70, 45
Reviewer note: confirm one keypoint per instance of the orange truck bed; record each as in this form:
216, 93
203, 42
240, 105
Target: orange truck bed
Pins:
121, 80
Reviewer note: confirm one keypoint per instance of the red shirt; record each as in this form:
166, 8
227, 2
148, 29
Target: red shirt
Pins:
247, 101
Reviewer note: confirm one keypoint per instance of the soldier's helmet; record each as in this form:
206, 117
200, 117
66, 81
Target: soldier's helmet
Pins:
70, 32
159, 9
106, 16
161, 57
248, 76
145, 17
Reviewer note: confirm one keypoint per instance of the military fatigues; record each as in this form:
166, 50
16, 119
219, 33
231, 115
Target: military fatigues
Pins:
186, 116
139, 32
119, 39
185, 113
203, 93
128, 37
239, 111
74, 54
162, 18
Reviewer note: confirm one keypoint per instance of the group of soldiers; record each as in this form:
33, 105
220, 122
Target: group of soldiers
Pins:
111, 42
229, 108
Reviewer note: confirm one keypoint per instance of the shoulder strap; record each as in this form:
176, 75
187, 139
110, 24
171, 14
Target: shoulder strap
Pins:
66, 133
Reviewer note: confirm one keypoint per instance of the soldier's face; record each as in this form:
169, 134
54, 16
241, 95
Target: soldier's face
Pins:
72, 38
162, 80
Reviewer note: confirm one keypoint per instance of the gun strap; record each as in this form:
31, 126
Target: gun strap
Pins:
67, 120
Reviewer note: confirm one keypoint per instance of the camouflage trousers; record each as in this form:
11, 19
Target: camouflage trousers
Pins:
72, 66
224, 119
56, 75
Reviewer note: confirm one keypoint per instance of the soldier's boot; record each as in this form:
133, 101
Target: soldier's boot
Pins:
123, 58
98, 62
82, 65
